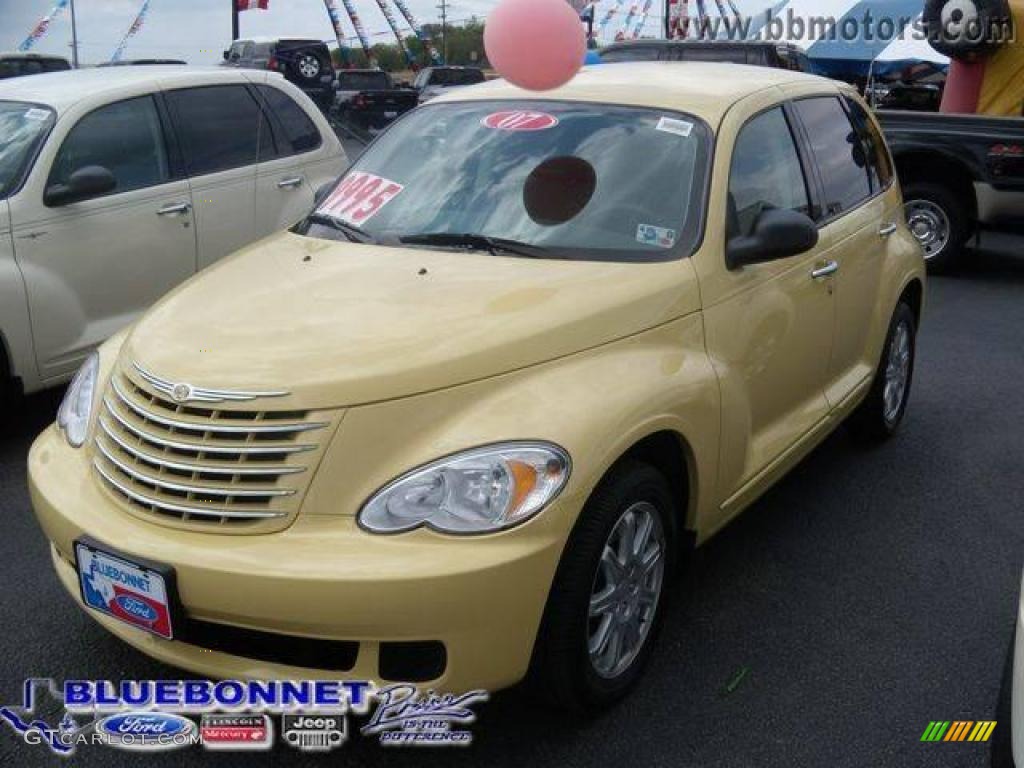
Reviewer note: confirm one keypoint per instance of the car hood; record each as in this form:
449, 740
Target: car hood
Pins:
340, 324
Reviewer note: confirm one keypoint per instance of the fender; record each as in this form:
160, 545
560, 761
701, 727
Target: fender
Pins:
15, 322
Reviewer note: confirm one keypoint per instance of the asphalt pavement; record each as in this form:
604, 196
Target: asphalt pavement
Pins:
870, 592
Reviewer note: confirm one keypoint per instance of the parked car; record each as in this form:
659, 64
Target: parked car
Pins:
459, 424
370, 98
304, 63
433, 81
755, 52
19, 64
118, 184
961, 174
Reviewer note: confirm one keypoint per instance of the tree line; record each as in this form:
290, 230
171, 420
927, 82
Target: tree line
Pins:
464, 45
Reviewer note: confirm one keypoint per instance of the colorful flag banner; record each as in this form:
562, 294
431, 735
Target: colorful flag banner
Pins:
335, 15
609, 14
133, 30
42, 26
424, 38
643, 19
634, 10
393, 23
252, 5
353, 16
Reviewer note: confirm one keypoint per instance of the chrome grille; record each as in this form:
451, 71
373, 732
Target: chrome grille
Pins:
199, 464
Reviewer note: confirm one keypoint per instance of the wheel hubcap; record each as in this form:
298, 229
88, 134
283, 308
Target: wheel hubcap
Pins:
930, 226
309, 67
627, 590
897, 372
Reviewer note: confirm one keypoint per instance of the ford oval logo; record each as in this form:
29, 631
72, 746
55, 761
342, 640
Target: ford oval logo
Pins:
136, 607
519, 120
147, 730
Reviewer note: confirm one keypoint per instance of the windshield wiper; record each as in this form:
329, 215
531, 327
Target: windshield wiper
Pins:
493, 245
351, 231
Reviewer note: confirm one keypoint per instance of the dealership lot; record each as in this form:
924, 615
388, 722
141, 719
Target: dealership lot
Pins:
867, 594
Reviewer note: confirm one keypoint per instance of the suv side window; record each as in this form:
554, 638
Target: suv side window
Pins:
838, 152
219, 126
126, 138
879, 163
766, 173
300, 133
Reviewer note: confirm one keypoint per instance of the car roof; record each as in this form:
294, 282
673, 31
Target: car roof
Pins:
260, 39
61, 90
28, 56
705, 89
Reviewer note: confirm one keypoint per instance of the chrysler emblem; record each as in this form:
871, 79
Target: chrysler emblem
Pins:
181, 392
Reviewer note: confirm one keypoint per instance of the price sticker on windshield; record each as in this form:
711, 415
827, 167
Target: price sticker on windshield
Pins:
359, 197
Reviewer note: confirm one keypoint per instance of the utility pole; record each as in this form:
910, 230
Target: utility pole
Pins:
444, 31
234, 20
74, 37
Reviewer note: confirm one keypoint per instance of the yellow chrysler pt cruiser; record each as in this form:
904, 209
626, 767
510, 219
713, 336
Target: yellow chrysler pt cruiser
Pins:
459, 424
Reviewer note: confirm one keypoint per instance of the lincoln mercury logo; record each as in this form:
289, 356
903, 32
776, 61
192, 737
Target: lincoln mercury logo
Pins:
958, 730
181, 392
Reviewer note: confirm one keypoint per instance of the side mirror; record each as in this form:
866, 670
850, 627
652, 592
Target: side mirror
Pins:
778, 234
322, 193
227, 55
85, 183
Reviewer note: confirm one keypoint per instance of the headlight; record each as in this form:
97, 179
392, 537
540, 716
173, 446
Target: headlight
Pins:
479, 491
74, 413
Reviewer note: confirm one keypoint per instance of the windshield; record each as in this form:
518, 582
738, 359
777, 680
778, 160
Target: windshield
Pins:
456, 77
567, 180
22, 129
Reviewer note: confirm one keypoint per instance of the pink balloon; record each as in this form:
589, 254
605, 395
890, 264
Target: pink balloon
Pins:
535, 44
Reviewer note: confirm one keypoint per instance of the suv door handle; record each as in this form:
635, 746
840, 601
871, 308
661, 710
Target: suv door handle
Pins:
174, 209
289, 183
888, 230
829, 268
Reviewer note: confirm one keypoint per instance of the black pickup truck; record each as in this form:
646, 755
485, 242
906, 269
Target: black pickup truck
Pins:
961, 175
370, 98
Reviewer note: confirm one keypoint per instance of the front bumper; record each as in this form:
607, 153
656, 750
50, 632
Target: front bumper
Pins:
322, 578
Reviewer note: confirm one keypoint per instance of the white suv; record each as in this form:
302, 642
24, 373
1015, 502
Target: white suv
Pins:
118, 184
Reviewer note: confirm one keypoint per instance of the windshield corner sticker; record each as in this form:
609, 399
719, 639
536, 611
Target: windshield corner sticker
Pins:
678, 127
37, 114
519, 120
658, 236
359, 197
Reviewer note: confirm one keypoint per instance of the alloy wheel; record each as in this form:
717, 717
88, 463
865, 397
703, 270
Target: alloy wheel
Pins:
897, 372
627, 590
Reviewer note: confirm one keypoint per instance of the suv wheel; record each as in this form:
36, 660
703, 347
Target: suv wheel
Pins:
605, 606
308, 66
938, 220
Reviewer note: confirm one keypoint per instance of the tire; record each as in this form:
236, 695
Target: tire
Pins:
879, 417
1002, 736
939, 220
307, 66
564, 671
966, 29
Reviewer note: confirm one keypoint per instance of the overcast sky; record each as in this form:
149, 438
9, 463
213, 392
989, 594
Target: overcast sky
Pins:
196, 30
199, 30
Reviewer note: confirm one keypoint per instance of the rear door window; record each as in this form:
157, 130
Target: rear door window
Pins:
300, 133
879, 163
220, 127
838, 152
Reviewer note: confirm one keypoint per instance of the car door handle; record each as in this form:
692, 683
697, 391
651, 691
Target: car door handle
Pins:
175, 209
827, 269
888, 230
289, 183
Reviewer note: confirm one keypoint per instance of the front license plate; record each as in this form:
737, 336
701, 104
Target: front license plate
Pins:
129, 591
389, 115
